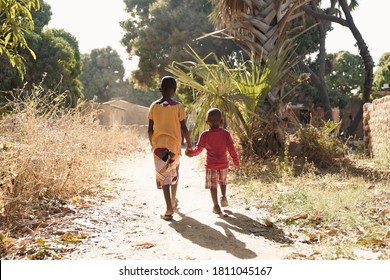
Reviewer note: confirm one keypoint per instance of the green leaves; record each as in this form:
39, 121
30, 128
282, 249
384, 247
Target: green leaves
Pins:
346, 78
235, 86
16, 21
213, 85
382, 74
102, 74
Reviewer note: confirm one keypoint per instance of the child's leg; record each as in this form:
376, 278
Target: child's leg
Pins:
166, 177
224, 202
223, 190
175, 182
212, 184
222, 184
214, 197
167, 197
173, 196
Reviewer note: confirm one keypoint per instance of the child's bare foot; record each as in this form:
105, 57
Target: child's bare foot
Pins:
217, 209
224, 202
167, 216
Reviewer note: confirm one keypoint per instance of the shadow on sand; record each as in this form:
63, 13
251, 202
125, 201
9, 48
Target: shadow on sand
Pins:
207, 237
246, 225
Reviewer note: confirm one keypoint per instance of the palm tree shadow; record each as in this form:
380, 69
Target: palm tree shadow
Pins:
246, 225
207, 237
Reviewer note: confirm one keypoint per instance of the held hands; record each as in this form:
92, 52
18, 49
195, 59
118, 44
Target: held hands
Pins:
188, 152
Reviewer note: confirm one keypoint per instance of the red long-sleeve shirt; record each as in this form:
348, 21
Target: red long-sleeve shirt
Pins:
217, 142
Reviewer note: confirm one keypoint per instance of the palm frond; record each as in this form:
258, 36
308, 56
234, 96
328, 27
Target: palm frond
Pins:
237, 87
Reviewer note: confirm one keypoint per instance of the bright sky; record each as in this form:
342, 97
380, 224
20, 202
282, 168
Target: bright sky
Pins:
371, 17
96, 25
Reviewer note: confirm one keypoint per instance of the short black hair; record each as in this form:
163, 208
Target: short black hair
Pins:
168, 82
214, 112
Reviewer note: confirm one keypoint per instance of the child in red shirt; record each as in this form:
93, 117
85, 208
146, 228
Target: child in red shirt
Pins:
217, 142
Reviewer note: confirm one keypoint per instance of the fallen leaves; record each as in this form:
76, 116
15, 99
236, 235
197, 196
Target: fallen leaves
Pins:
50, 240
40, 241
79, 202
332, 232
70, 238
298, 216
44, 254
145, 245
305, 255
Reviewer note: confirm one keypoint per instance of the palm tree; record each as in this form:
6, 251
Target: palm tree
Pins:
259, 25
240, 88
263, 29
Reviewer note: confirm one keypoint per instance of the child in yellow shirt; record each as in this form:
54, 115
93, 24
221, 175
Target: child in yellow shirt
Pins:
166, 127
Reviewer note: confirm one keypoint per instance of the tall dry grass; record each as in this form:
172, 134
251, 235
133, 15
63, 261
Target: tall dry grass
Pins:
49, 154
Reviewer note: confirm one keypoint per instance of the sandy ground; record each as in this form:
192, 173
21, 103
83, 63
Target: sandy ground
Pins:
127, 225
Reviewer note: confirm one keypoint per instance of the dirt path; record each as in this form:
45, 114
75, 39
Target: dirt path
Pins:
128, 226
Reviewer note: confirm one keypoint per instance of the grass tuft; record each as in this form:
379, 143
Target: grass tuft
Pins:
49, 154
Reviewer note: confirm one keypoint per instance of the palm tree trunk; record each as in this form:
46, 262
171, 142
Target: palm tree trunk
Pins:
260, 27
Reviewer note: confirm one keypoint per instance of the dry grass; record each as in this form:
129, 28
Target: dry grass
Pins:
49, 154
337, 210
320, 145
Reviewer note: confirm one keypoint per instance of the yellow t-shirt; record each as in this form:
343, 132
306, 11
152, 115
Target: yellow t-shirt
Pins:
167, 128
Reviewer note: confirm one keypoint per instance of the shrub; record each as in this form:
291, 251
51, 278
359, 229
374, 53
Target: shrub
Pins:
49, 153
321, 145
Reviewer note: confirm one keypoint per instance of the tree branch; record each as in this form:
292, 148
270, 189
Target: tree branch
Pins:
322, 16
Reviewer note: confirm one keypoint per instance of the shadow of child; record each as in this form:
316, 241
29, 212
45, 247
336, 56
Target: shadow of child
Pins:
210, 238
246, 225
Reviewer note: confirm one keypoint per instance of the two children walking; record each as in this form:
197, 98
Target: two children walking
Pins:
166, 128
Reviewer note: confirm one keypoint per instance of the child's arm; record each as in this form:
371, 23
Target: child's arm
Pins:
186, 135
232, 151
233, 154
199, 146
150, 130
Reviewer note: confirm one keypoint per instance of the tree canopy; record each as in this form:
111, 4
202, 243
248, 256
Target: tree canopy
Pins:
346, 78
159, 32
57, 60
102, 74
382, 74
